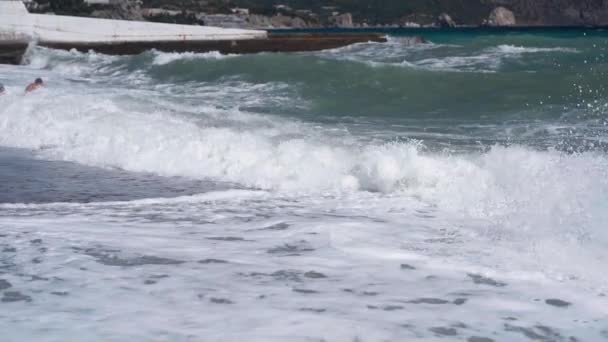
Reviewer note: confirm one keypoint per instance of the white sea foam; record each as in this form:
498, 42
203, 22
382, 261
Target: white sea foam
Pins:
487, 60
162, 58
287, 156
513, 49
334, 237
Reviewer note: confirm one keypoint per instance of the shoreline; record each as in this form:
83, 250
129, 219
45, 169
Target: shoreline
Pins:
18, 28
433, 29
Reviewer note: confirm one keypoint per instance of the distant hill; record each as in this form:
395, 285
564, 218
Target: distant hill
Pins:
470, 12
386, 12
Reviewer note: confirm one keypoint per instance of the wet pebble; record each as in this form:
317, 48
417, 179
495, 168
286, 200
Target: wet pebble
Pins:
226, 238
557, 302
221, 301
314, 275
212, 261
313, 310
15, 296
435, 301
481, 280
305, 291
444, 331
479, 339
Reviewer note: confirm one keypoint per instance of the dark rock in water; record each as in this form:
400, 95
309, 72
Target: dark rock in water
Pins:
212, 261
558, 302
159, 276
286, 275
313, 310
392, 308
291, 249
108, 258
444, 331
305, 291
5, 285
481, 280
34, 277
226, 238
138, 261
407, 267
314, 275
410, 40
537, 332
444, 20
434, 301
278, 226
459, 301
479, 339
221, 301
15, 296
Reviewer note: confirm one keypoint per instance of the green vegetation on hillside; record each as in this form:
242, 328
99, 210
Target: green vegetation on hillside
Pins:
369, 11
383, 11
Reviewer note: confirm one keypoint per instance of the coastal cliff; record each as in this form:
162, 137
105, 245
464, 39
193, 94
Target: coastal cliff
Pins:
558, 12
342, 13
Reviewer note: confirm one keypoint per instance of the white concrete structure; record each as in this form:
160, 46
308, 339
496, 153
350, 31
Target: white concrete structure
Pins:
17, 23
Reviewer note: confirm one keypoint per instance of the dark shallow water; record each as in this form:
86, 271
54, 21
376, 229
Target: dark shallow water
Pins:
25, 178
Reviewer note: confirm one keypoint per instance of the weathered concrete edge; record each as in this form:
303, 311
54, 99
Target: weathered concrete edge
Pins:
292, 43
12, 52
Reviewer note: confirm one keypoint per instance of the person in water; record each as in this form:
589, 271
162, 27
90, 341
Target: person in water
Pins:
2, 90
34, 85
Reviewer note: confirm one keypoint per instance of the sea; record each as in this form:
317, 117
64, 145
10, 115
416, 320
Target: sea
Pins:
449, 191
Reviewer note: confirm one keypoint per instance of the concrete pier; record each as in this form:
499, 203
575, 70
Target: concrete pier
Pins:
18, 28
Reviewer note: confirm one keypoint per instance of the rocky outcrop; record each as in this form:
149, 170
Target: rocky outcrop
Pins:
121, 9
444, 20
283, 21
365, 13
501, 16
344, 20
557, 12
410, 40
278, 21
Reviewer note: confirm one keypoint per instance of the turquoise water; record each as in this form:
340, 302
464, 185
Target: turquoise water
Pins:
455, 190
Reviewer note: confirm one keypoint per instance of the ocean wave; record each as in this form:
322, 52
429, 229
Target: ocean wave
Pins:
397, 54
212, 196
513, 49
516, 197
163, 58
282, 155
